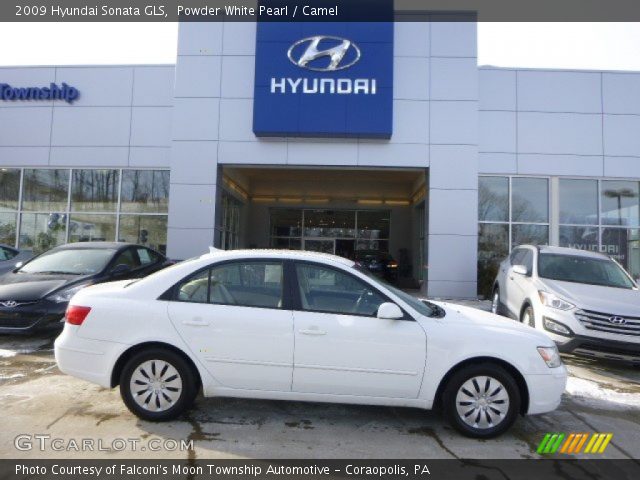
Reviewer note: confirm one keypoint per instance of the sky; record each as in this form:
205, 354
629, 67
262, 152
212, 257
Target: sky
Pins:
597, 46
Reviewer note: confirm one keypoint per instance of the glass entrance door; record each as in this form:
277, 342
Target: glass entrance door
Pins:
324, 245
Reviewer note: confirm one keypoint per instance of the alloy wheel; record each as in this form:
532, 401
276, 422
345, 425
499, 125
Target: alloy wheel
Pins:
482, 402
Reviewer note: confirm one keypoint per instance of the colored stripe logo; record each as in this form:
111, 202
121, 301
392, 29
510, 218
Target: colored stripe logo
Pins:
573, 443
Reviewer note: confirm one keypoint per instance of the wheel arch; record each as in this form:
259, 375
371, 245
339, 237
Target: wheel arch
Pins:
127, 354
526, 303
518, 377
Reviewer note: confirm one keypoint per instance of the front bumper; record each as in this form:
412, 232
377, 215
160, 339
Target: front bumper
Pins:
545, 391
32, 317
601, 348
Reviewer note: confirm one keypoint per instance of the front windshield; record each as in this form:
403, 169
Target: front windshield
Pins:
69, 262
424, 308
579, 269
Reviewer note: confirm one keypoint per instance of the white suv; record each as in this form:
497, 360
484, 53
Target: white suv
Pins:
584, 301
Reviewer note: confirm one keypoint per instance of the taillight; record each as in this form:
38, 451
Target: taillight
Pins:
392, 264
75, 315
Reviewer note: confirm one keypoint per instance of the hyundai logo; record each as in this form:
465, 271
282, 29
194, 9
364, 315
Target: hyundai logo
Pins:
9, 304
617, 320
342, 53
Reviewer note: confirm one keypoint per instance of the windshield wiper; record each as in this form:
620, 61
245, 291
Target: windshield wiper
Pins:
54, 272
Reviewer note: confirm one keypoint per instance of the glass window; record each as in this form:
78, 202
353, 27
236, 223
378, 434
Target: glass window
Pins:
325, 289
493, 199
286, 243
527, 260
529, 234
195, 289
623, 245
516, 256
331, 223
147, 230
45, 190
373, 225
530, 200
257, 284
146, 256
127, 257
9, 189
42, 231
94, 190
145, 191
72, 261
92, 228
8, 228
286, 222
620, 203
493, 247
583, 238
7, 253
579, 202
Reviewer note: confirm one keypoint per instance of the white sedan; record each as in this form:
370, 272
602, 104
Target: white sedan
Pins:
299, 326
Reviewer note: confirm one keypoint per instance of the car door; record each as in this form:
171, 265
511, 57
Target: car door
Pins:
510, 290
520, 283
233, 319
342, 348
149, 260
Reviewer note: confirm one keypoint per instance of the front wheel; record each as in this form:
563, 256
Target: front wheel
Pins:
157, 384
481, 401
495, 301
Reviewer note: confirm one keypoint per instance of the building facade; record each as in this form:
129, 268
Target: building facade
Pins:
454, 167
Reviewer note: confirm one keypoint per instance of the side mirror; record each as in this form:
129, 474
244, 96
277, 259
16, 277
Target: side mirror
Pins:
389, 311
120, 270
520, 270
18, 265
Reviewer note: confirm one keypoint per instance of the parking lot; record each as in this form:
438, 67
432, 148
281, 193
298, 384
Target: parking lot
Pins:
38, 400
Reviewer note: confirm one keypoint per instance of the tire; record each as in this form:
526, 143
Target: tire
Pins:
527, 316
468, 406
171, 384
495, 302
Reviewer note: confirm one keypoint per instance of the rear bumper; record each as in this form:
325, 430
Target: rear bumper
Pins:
545, 391
601, 348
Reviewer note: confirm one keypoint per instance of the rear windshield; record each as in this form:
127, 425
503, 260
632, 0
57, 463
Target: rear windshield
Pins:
578, 269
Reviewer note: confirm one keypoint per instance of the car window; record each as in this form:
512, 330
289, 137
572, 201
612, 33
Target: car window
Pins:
127, 257
581, 269
7, 253
75, 261
254, 284
516, 256
527, 260
324, 289
146, 256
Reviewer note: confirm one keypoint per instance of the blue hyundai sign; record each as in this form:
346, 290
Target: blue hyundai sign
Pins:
324, 80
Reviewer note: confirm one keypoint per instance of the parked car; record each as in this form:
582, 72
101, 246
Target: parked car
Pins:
585, 301
10, 256
228, 322
379, 263
35, 295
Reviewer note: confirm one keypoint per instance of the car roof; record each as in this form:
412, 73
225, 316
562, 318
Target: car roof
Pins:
567, 251
95, 245
273, 253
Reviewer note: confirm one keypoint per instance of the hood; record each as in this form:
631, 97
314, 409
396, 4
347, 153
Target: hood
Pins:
30, 287
458, 314
619, 301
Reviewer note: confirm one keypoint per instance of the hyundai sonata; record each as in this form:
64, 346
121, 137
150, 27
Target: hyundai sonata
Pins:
303, 326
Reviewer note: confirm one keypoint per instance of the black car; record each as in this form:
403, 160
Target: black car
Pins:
379, 263
35, 295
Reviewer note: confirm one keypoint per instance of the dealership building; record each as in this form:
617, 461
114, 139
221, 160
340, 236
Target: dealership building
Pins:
339, 138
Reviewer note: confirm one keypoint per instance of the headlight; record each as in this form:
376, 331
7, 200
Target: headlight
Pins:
556, 327
63, 296
550, 356
553, 301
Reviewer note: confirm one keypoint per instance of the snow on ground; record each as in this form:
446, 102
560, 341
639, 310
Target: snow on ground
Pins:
7, 353
594, 392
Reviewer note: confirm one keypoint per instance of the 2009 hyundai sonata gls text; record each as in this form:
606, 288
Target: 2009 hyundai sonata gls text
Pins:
303, 326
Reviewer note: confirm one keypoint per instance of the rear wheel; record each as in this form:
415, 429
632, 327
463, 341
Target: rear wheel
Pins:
481, 401
527, 317
495, 301
157, 384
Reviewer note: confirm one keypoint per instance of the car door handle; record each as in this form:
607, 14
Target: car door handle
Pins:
312, 332
196, 322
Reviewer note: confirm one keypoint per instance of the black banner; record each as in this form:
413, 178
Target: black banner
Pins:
316, 10
547, 469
